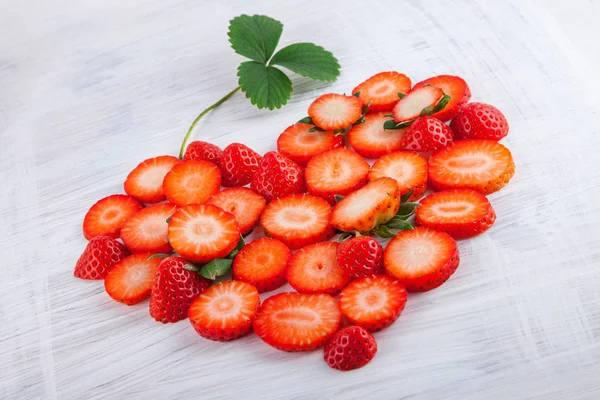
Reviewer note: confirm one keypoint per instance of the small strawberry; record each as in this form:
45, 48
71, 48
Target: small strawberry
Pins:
407, 168
300, 142
374, 302
130, 280
371, 140
173, 290
198, 150
381, 90
146, 230
145, 181
278, 176
350, 348
238, 164
224, 311
99, 256
360, 256
335, 111
107, 216
479, 121
411, 106
455, 87
427, 134
245, 204
192, 182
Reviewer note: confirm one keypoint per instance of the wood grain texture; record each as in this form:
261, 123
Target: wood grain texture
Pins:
89, 89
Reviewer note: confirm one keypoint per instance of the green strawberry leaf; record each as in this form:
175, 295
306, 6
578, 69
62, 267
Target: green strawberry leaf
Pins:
391, 124
306, 120
404, 198
255, 36
338, 197
384, 232
345, 236
308, 59
191, 267
159, 255
267, 87
401, 95
237, 249
316, 129
399, 223
357, 94
216, 268
406, 210
442, 103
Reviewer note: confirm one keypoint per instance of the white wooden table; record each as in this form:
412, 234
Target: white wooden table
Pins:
89, 89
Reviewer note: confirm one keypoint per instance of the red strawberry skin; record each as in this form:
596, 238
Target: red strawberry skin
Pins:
427, 134
99, 256
360, 256
173, 290
199, 150
350, 348
479, 121
238, 164
278, 176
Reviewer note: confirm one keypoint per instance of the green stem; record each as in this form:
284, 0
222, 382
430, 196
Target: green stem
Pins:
202, 114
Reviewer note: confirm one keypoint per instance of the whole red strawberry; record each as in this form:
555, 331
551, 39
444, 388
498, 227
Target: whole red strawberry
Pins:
351, 348
360, 256
278, 176
238, 164
99, 256
479, 121
427, 134
198, 150
173, 290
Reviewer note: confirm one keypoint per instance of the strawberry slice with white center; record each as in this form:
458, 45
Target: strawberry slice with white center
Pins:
297, 321
130, 280
422, 259
262, 263
107, 216
145, 181
408, 169
298, 220
335, 111
146, 230
374, 302
371, 140
314, 269
381, 90
482, 165
245, 204
462, 213
203, 232
299, 144
455, 87
337, 171
410, 106
224, 311
192, 182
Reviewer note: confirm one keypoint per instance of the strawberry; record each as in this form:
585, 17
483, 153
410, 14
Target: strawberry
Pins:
262, 263
411, 106
461, 213
338, 141
360, 256
350, 348
130, 280
145, 181
381, 90
278, 176
482, 165
99, 256
314, 269
173, 290
224, 311
203, 232
198, 150
479, 121
371, 140
107, 216
337, 171
422, 258
146, 230
298, 220
297, 321
454, 86
427, 134
299, 144
245, 204
192, 182
375, 203
335, 111
373, 302
238, 164
408, 169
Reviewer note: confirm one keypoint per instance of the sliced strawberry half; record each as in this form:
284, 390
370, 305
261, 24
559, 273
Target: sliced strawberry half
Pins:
297, 321
145, 181
411, 106
300, 144
192, 182
337, 171
422, 259
224, 311
107, 216
371, 140
335, 111
130, 280
262, 263
482, 165
408, 169
314, 269
203, 232
374, 302
455, 87
146, 230
381, 90
462, 213
298, 220
245, 204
